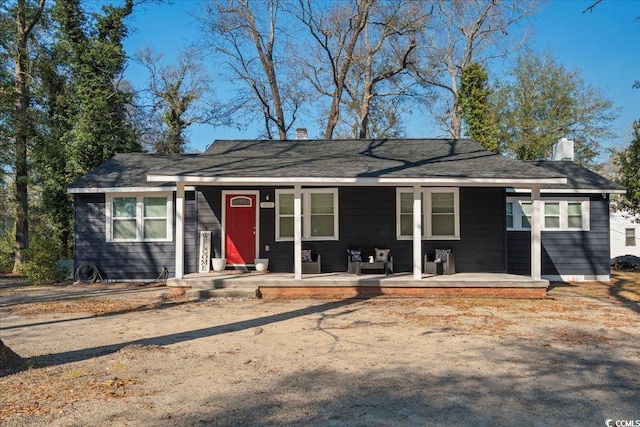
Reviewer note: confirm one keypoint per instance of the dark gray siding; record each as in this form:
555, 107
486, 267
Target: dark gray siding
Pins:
519, 252
191, 243
368, 220
482, 247
566, 252
130, 260
209, 215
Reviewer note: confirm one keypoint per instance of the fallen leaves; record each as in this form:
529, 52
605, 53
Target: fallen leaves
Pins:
49, 390
35, 393
97, 306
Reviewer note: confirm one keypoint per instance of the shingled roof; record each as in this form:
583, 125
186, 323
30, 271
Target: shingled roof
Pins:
330, 160
335, 159
578, 177
125, 171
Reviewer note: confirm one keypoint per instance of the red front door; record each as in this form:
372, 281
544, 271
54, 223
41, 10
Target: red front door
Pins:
240, 228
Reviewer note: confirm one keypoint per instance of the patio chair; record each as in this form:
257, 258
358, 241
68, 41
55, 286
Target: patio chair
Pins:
310, 262
442, 261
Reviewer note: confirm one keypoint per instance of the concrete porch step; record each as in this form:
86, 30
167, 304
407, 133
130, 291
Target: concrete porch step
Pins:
236, 292
218, 281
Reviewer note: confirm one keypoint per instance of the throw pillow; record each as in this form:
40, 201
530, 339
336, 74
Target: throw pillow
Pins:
355, 255
382, 255
306, 255
441, 254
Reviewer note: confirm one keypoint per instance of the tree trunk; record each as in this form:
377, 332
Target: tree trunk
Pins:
9, 361
359, 24
20, 137
456, 111
21, 131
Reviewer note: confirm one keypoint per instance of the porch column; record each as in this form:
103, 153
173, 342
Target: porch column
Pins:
417, 233
536, 227
179, 230
297, 232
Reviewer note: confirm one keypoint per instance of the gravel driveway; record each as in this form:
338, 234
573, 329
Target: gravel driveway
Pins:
135, 356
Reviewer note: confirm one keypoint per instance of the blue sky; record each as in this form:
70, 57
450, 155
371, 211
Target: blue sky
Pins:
604, 45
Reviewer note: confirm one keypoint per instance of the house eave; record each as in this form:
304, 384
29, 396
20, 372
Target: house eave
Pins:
89, 190
453, 181
569, 190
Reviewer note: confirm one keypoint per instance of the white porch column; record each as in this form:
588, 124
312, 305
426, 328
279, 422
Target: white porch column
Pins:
417, 233
536, 228
179, 230
297, 232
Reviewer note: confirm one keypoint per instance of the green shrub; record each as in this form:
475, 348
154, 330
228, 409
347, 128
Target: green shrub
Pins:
41, 266
7, 242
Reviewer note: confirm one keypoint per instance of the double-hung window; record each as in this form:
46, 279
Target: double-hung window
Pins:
440, 210
551, 215
575, 215
630, 237
139, 218
557, 214
509, 214
319, 214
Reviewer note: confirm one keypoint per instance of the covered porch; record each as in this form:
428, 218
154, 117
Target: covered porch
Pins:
412, 246
344, 285
409, 196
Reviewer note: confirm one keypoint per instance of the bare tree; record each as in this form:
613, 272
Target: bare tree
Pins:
178, 93
336, 31
246, 35
465, 32
381, 61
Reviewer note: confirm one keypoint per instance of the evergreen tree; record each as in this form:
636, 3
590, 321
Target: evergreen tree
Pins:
541, 101
479, 118
49, 154
628, 162
97, 59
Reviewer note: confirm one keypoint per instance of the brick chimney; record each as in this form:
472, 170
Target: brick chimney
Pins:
301, 133
563, 150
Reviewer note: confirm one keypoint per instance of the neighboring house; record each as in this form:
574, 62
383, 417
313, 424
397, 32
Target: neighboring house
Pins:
137, 213
625, 234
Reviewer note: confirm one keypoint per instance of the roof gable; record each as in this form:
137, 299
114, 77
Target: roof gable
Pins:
578, 177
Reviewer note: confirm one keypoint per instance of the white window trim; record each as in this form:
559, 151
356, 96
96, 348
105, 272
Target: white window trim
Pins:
139, 216
564, 214
426, 214
306, 217
630, 241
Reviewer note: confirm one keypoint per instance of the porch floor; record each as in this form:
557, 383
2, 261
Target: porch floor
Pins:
344, 285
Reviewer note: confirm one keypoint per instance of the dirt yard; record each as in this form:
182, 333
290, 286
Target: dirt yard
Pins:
116, 355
